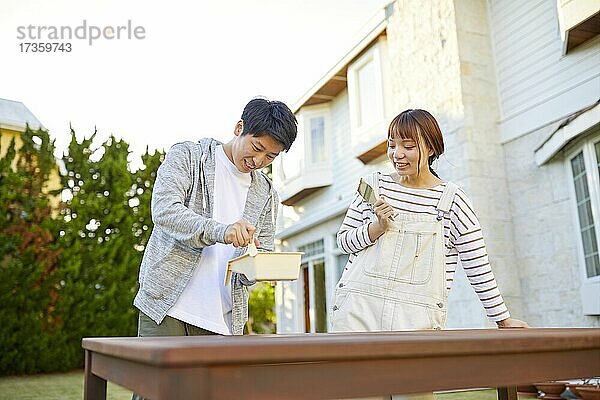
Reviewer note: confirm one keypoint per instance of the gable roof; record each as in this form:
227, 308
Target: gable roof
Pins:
15, 115
334, 80
569, 128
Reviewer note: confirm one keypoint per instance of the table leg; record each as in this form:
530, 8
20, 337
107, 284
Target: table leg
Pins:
507, 393
94, 387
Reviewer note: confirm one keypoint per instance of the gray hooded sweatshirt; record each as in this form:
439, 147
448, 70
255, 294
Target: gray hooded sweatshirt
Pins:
182, 206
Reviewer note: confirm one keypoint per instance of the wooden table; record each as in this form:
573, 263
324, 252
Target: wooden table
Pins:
320, 366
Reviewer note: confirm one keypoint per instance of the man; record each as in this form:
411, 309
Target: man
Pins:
209, 201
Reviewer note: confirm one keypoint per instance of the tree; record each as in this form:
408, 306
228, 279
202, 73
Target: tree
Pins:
28, 256
65, 278
261, 309
105, 228
75, 275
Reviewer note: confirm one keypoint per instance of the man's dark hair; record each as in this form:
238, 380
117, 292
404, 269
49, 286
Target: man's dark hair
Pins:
265, 117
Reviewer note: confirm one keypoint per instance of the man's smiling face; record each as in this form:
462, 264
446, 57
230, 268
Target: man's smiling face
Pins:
251, 152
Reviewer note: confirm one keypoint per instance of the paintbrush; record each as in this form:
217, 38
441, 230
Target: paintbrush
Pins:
368, 194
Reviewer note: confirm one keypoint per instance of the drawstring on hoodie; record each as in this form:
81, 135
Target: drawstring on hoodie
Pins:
204, 189
272, 208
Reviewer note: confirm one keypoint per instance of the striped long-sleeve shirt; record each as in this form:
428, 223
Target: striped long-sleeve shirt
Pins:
463, 238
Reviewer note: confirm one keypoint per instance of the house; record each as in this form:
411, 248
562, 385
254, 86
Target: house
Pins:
14, 119
515, 87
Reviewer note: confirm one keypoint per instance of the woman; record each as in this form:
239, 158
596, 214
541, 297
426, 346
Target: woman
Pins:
405, 247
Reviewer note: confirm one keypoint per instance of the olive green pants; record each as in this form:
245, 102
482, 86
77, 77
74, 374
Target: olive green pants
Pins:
168, 327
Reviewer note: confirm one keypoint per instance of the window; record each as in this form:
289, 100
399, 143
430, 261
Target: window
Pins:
307, 166
586, 218
597, 146
367, 100
365, 92
291, 162
368, 112
314, 124
317, 139
341, 259
320, 296
312, 249
313, 276
583, 163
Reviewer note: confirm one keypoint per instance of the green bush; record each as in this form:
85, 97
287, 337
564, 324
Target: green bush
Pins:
29, 257
71, 273
73, 276
103, 233
261, 309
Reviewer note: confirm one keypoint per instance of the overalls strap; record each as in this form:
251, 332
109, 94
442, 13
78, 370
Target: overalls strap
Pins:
446, 200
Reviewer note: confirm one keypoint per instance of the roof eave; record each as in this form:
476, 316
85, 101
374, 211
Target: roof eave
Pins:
371, 31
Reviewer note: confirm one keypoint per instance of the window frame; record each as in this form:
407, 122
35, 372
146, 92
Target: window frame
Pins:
335, 253
284, 158
589, 286
310, 262
317, 111
311, 138
304, 142
374, 54
585, 146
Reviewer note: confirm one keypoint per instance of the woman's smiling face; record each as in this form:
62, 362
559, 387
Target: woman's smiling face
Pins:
407, 158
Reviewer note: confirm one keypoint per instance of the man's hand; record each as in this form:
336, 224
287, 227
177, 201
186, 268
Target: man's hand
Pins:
512, 323
240, 234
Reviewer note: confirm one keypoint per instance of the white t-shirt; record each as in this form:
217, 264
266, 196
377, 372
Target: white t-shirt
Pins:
206, 301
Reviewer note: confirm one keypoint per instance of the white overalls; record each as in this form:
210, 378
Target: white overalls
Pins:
398, 283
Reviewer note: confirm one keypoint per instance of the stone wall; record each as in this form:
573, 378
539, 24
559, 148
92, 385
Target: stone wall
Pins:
545, 236
442, 58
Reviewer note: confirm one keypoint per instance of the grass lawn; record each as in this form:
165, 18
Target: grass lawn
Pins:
69, 386
489, 394
66, 386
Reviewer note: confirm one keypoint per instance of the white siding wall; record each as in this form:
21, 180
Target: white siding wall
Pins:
447, 88
346, 167
545, 236
536, 83
346, 171
452, 66
537, 86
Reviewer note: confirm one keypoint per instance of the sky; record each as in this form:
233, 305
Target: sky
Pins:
189, 75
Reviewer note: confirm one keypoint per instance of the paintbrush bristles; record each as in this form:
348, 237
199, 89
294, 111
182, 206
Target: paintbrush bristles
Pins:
366, 191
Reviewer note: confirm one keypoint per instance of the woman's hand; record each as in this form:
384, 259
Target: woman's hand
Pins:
512, 323
384, 213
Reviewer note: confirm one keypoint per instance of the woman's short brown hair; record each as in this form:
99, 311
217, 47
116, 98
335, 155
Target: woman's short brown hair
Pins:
420, 126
